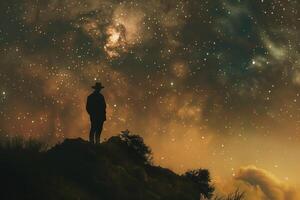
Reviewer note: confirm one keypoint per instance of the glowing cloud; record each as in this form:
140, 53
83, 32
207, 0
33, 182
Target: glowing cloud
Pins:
271, 186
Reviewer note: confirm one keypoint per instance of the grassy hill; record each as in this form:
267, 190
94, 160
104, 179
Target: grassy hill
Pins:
119, 168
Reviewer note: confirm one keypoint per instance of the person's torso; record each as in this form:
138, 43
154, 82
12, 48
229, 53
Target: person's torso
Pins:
96, 103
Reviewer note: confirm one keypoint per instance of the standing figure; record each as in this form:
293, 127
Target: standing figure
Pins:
96, 107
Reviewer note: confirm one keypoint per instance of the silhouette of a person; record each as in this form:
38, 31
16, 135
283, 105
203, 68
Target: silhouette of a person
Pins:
96, 108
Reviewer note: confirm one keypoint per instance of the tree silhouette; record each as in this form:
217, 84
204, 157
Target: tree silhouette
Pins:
136, 144
202, 178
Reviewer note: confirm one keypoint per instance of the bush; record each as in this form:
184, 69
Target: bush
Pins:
202, 179
237, 195
137, 145
21, 144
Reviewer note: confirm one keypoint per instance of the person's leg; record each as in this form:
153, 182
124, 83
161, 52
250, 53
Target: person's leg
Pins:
92, 131
92, 136
98, 132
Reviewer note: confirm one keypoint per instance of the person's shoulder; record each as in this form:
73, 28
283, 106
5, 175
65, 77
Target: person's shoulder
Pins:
101, 97
91, 95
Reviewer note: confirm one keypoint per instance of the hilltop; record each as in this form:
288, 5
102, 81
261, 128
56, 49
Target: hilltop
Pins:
119, 168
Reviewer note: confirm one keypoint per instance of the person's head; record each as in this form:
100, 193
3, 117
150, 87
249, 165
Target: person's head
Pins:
98, 86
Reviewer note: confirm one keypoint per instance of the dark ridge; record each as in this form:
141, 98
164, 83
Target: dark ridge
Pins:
119, 168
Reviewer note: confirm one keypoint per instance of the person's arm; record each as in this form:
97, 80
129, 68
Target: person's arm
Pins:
104, 106
88, 105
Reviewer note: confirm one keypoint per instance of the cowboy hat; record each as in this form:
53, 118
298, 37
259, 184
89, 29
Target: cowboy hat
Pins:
97, 86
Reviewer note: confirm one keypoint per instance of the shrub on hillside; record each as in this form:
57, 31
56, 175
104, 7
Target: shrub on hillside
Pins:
237, 195
21, 144
202, 178
137, 145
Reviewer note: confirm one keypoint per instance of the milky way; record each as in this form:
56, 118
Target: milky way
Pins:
211, 84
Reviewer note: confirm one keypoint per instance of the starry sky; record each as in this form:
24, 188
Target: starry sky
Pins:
211, 84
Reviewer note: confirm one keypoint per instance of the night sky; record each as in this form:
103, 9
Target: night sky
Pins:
212, 84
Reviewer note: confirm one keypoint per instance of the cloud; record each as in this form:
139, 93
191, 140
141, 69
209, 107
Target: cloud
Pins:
270, 185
